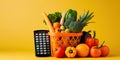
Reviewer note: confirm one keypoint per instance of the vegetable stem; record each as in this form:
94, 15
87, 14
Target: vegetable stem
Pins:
89, 31
62, 19
102, 43
94, 34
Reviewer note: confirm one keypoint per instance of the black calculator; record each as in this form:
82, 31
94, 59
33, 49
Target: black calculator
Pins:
42, 43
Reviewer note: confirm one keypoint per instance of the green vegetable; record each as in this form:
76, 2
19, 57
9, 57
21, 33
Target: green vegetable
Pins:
77, 25
74, 26
55, 17
68, 21
71, 13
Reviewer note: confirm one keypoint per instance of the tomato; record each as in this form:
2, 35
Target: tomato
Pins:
82, 50
95, 51
96, 42
105, 50
92, 41
60, 52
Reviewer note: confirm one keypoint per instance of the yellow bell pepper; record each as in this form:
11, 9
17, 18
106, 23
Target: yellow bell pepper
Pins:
70, 52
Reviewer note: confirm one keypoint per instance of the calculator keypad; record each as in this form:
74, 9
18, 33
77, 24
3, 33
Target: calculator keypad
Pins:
42, 43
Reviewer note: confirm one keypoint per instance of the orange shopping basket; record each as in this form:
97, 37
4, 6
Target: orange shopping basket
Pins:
64, 40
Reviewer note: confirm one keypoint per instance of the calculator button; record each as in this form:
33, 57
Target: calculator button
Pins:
36, 34
41, 48
36, 38
40, 41
44, 43
38, 53
43, 38
37, 45
43, 33
41, 53
40, 34
47, 40
48, 48
47, 36
46, 33
36, 41
44, 48
45, 53
47, 43
37, 48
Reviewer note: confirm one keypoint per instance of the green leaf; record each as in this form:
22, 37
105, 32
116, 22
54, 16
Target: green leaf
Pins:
86, 15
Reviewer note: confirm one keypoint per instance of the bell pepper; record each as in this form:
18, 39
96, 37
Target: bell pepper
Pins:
71, 13
70, 52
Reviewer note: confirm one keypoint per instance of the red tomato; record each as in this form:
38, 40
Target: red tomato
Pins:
105, 51
92, 42
96, 42
60, 52
95, 51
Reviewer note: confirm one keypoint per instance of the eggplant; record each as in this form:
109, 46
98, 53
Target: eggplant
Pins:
84, 36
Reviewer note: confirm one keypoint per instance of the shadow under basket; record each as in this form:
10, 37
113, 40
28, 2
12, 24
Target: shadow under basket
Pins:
64, 40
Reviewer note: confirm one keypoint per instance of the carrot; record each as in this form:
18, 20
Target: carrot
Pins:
56, 25
62, 19
48, 23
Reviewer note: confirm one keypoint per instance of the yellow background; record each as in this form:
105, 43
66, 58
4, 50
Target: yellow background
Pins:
19, 18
